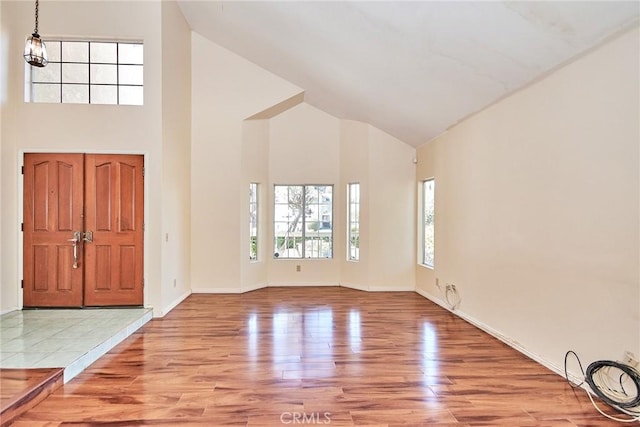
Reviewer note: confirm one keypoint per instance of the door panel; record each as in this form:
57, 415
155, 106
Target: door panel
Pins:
107, 270
114, 261
52, 211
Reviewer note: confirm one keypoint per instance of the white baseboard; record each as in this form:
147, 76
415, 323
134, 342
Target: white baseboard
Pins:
8, 310
367, 288
355, 286
167, 309
254, 287
496, 334
405, 288
216, 291
300, 284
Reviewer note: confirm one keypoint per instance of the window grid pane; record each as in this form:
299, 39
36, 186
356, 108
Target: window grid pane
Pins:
49, 74
75, 73
75, 94
106, 53
46, 93
86, 72
130, 53
428, 226
104, 74
353, 234
104, 94
75, 52
303, 225
130, 95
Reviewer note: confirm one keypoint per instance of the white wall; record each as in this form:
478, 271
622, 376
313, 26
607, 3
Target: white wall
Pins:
383, 165
90, 128
304, 148
255, 169
391, 213
4, 60
300, 145
354, 168
537, 211
176, 156
226, 89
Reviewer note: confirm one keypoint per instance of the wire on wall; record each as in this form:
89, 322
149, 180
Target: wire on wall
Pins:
617, 384
452, 297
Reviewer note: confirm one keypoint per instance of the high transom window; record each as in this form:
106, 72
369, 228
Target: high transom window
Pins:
88, 72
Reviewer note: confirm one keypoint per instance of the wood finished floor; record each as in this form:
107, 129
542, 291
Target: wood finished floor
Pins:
313, 356
22, 389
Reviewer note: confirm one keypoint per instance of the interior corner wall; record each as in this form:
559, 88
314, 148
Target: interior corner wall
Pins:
354, 168
304, 148
392, 213
176, 156
81, 128
537, 211
307, 145
255, 169
4, 59
226, 89
383, 166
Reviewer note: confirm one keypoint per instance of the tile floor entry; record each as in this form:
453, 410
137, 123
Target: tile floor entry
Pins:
65, 338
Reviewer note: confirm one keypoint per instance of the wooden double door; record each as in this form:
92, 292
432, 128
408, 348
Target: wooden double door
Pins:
83, 230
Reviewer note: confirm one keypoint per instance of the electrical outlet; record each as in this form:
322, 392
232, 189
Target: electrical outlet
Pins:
298, 268
630, 359
437, 283
174, 283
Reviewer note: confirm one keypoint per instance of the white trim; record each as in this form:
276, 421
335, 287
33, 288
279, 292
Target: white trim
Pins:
253, 287
167, 309
300, 284
8, 310
216, 291
355, 286
392, 288
499, 335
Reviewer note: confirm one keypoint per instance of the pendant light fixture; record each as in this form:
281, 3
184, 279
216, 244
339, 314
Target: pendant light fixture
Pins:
35, 52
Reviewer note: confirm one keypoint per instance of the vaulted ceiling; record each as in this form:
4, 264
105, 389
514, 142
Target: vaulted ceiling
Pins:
412, 69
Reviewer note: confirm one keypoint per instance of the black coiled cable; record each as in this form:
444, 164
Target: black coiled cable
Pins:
592, 371
628, 404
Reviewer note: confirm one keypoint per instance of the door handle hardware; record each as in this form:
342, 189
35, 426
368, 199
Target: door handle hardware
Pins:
75, 240
87, 236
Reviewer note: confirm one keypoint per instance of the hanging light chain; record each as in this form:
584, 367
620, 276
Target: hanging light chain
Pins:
36, 29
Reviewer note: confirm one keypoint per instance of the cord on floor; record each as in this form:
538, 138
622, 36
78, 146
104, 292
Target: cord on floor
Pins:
610, 381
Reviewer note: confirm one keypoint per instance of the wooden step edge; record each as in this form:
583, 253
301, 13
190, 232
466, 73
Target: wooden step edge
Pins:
31, 396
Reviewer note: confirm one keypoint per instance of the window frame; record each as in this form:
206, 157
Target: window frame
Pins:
353, 206
303, 238
428, 230
254, 221
61, 84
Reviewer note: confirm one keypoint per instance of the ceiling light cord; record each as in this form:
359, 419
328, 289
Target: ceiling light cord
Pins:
610, 389
35, 31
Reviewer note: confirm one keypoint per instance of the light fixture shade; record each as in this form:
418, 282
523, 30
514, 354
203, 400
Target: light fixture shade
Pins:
35, 52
